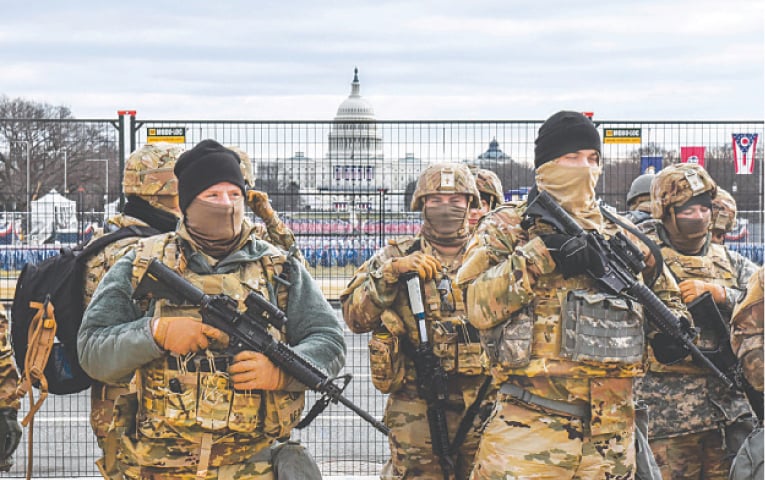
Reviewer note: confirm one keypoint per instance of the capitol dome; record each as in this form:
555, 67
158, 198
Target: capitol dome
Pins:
354, 107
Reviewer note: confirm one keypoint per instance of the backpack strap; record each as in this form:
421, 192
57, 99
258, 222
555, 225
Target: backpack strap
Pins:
42, 333
100, 243
278, 272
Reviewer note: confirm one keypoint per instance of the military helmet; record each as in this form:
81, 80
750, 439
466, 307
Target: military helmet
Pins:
640, 186
489, 183
723, 211
245, 164
149, 170
446, 178
678, 183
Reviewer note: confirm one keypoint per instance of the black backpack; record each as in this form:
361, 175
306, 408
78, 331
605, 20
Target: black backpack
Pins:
61, 279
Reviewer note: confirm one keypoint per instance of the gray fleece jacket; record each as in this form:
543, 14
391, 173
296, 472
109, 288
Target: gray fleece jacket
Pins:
115, 338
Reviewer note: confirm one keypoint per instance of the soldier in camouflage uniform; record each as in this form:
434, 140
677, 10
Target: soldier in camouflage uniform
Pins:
563, 352
723, 221
198, 413
152, 201
10, 430
747, 343
376, 301
492, 194
639, 199
696, 423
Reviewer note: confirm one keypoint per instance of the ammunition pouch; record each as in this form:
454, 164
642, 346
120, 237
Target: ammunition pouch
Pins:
386, 361
456, 344
601, 328
123, 423
509, 344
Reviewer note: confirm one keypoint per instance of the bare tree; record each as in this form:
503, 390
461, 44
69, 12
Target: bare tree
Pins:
57, 147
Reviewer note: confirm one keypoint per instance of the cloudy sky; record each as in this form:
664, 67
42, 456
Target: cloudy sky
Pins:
443, 59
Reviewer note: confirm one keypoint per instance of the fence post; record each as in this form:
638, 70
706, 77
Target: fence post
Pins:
122, 114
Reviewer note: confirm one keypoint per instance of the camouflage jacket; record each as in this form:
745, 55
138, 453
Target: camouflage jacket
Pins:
9, 377
684, 398
743, 267
97, 265
516, 298
277, 233
747, 331
112, 315
371, 301
728, 273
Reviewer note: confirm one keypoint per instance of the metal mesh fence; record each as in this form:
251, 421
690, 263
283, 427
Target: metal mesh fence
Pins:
344, 188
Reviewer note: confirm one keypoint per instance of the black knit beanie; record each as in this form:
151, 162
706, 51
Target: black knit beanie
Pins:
203, 166
704, 199
565, 132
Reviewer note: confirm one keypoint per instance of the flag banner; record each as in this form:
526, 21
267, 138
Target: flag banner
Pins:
744, 145
692, 155
650, 164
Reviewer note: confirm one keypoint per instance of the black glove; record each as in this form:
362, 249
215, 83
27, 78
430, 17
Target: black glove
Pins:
572, 255
667, 350
10, 435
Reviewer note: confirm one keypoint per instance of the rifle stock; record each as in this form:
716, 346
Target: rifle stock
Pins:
246, 331
432, 381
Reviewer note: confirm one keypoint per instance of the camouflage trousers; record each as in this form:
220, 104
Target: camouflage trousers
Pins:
522, 441
411, 454
256, 470
695, 456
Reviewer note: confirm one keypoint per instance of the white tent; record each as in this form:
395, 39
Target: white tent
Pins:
52, 213
112, 209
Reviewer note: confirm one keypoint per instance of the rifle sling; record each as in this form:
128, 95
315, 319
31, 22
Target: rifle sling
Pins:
655, 250
470, 414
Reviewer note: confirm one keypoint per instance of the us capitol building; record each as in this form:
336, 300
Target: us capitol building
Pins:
353, 173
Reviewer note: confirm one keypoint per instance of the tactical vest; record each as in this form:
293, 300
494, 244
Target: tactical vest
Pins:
454, 340
684, 397
570, 329
714, 267
103, 395
188, 404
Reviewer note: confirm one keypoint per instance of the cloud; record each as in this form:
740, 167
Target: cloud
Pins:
483, 59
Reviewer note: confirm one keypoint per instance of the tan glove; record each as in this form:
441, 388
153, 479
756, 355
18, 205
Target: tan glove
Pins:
424, 265
254, 371
691, 289
182, 335
259, 204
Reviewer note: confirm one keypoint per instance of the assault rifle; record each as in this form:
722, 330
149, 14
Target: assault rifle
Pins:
616, 263
706, 314
248, 330
431, 378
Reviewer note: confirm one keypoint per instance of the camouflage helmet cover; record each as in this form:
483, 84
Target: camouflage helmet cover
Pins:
489, 183
446, 178
640, 186
149, 170
723, 211
678, 183
245, 164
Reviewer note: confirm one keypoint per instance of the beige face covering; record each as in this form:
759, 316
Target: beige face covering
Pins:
574, 189
687, 235
215, 228
445, 225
